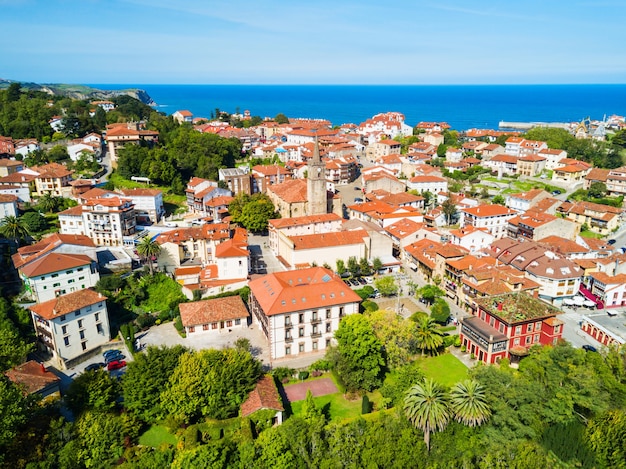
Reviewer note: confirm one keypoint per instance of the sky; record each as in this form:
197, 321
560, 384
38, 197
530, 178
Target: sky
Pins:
314, 42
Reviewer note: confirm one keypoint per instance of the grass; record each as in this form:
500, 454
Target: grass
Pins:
172, 202
334, 405
156, 435
445, 369
591, 234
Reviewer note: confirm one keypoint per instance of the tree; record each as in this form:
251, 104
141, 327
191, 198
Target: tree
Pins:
468, 403
256, 213
428, 335
310, 412
93, 390
377, 265
341, 267
13, 228
448, 207
426, 407
498, 200
281, 119
440, 311
13, 347
387, 285
146, 377
358, 357
47, 203
607, 437
100, 439
149, 249
13, 410
353, 266
396, 333
364, 266
35, 222
597, 190
429, 293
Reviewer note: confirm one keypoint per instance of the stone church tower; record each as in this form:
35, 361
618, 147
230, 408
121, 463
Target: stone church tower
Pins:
316, 184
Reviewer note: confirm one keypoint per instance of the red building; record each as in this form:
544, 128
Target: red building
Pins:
507, 325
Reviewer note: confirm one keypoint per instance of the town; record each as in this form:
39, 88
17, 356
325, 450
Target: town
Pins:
186, 284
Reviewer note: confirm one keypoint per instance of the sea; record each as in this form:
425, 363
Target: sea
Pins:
462, 106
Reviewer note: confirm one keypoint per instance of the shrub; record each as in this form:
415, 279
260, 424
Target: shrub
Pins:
463, 348
165, 316
303, 375
145, 321
366, 406
370, 306
472, 356
321, 365
316, 373
282, 373
457, 342
449, 340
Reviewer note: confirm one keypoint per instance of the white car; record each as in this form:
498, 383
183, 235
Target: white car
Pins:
170, 224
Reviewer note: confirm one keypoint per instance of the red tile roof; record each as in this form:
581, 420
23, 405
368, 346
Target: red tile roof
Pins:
32, 376
54, 262
264, 396
493, 210
323, 240
65, 304
279, 223
208, 311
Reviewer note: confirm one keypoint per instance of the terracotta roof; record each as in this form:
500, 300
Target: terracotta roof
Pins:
403, 228
32, 376
264, 396
231, 248
270, 170
208, 311
73, 211
296, 290
7, 198
4, 162
191, 270
505, 158
529, 195
213, 231
52, 170
279, 223
65, 304
54, 262
493, 210
598, 174
17, 178
291, 191
138, 192
323, 240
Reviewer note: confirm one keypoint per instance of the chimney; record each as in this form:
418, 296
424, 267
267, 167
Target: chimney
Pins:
536, 294
43, 368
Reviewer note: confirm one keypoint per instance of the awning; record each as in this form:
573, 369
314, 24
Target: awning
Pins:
579, 300
568, 301
589, 303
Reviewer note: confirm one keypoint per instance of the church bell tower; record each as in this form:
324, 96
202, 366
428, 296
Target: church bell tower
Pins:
316, 184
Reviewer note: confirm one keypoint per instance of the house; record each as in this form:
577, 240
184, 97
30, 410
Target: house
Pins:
536, 225
215, 316
503, 164
571, 173
454, 155
8, 167
119, 135
383, 214
530, 165
291, 199
8, 205
553, 156
299, 310
471, 238
432, 184
615, 181
492, 150
33, 378
264, 396
280, 228
183, 116
53, 179
507, 325
405, 232
71, 326
381, 180
264, 176
599, 218
392, 162
383, 148
609, 289
20, 184
597, 175
238, 180
522, 201
182, 245
148, 204
106, 105
54, 273
199, 191
494, 218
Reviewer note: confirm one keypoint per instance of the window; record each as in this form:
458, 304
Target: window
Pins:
536, 338
63, 318
64, 330
84, 345
529, 328
77, 313
501, 328
341, 311
314, 318
80, 269
301, 318
54, 275
229, 323
214, 325
516, 341
315, 345
518, 330
97, 316
301, 348
287, 320
69, 271
328, 314
328, 327
205, 327
192, 329
301, 332
557, 329
82, 335
237, 322
66, 341
315, 329
80, 323
99, 328
327, 343
528, 339
56, 284
537, 326
81, 278
287, 350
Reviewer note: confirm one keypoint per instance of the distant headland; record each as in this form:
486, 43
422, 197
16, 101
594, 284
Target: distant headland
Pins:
80, 91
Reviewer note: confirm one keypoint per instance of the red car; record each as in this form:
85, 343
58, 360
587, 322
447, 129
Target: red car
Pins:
116, 365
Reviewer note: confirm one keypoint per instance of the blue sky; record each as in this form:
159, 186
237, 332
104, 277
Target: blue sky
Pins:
315, 42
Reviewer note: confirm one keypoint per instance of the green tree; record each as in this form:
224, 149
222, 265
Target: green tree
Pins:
13, 411
597, 190
256, 213
13, 347
353, 266
100, 439
146, 377
396, 333
377, 265
440, 311
448, 207
498, 200
13, 228
429, 293
428, 335
95, 390
364, 266
149, 249
607, 437
426, 407
469, 404
341, 267
281, 119
387, 285
35, 222
310, 411
47, 203
358, 357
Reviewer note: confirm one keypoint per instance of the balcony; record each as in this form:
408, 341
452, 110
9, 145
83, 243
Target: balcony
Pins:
288, 325
288, 339
316, 321
316, 335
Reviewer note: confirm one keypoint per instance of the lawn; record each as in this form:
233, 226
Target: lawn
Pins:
445, 369
591, 234
156, 436
173, 202
334, 405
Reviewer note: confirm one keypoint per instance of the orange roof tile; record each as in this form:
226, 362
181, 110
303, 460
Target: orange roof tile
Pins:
208, 311
32, 376
65, 304
54, 262
493, 210
323, 240
264, 396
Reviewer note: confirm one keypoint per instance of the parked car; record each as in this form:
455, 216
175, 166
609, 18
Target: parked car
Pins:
111, 352
358, 200
354, 282
611, 241
116, 365
589, 348
362, 281
369, 279
556, 192
95, 366
116, 357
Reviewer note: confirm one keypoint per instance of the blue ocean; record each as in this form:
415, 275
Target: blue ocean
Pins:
462, 106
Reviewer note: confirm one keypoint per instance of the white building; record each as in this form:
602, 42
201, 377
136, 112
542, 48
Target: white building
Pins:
494, 218
472, 239
299, 310
432, 184
54, 274
148, 204
8, 205
71, 325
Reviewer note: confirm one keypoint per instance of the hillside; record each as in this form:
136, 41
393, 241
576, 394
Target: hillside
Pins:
81, 91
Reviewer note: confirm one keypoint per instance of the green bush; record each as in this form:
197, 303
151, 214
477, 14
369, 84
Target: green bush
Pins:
178, 324
321, 365
283, 372
457, 342
165, 315
449, 340
303, 375
366, 405
145, 321
370, 306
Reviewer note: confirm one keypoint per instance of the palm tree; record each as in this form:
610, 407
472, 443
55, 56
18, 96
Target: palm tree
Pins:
426, 406
428, 335
148, 249
14, 228
47, 203
468, 403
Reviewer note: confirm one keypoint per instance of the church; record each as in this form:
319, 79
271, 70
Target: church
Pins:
298, 197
